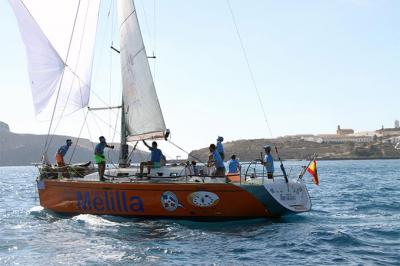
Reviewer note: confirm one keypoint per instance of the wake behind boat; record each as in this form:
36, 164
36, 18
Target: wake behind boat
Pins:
60, 74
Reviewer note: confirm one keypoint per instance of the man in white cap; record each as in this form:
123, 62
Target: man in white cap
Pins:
268, 162
220, 148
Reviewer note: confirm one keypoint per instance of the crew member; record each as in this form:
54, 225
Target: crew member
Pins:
61, 153
216, 161
155, 160
99, 157
220, 147
233, 165
268, 162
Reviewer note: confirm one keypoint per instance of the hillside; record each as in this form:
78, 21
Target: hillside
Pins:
25, 149
248, 150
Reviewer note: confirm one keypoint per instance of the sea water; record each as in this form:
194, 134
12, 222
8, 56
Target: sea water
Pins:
355, 220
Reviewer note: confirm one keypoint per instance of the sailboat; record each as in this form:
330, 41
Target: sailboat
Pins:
60, 66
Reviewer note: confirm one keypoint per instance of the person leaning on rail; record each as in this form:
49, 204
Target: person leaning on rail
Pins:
60, 154
99, 157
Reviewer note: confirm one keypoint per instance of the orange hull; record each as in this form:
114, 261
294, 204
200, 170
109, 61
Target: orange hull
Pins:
169, 200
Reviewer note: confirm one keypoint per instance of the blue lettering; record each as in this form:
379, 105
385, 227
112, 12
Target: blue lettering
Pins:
136, 204
124, 201
106, 200
118, 200
83, 203
112, 201
98, 203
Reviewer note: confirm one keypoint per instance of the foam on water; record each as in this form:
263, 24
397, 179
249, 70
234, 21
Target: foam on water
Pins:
36, 209
94, 220
355, 220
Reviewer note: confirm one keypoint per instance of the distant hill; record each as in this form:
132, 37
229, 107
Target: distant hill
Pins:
248, 150
25, 149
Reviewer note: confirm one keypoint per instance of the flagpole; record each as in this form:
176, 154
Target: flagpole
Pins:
305, 168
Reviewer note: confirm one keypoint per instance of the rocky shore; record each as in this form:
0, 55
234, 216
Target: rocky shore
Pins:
289, 149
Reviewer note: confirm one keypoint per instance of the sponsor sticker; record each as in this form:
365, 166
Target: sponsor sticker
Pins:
170, 201
203, 199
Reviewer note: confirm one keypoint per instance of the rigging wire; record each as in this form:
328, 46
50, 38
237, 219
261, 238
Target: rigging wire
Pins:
79, 136
189, 155
62, 77
154, 39
147, 24
90, 134
116, 125
101, 100
249, 67
94, 118
105, 123
255, 87
110, 11
73, 80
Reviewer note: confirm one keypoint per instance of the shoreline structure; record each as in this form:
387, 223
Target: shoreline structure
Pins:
344, 145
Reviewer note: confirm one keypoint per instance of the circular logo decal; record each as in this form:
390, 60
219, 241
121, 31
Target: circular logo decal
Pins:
170, 201
203, 199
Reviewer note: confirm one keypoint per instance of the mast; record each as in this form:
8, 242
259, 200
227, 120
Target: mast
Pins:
123, 151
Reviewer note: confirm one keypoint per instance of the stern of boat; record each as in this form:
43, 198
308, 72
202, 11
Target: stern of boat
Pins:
281, 198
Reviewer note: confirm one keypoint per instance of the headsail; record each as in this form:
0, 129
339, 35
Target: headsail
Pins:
143, 116
59, 37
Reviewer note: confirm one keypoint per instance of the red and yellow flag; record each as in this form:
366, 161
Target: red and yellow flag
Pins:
312, 169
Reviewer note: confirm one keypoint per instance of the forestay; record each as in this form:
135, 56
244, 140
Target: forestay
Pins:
59, 37
143, 116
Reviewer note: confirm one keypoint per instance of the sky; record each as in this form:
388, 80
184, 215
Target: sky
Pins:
316, 64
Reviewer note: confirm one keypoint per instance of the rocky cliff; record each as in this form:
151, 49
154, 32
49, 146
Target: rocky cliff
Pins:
248, 150
25, 149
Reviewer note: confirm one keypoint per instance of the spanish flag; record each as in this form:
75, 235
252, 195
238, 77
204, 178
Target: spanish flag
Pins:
312, 169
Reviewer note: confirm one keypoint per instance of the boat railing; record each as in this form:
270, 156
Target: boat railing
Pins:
250, 173
255, 170
48, 171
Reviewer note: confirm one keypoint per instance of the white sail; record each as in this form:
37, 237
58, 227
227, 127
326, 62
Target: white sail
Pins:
143, 116
59, 37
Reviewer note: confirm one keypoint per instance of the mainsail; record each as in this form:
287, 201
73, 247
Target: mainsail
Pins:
59, 37
143, 116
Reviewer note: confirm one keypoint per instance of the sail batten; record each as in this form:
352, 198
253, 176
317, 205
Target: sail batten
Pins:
143, 116
59, 38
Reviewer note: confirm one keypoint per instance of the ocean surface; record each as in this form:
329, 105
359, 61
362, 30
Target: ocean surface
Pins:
355, 220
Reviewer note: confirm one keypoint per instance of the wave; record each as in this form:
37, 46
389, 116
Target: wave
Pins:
95, 220
36, 210
341, 239
44, 214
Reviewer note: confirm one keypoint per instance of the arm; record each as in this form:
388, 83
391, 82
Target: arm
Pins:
147, 145
110, 146
264, 161
210, 161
